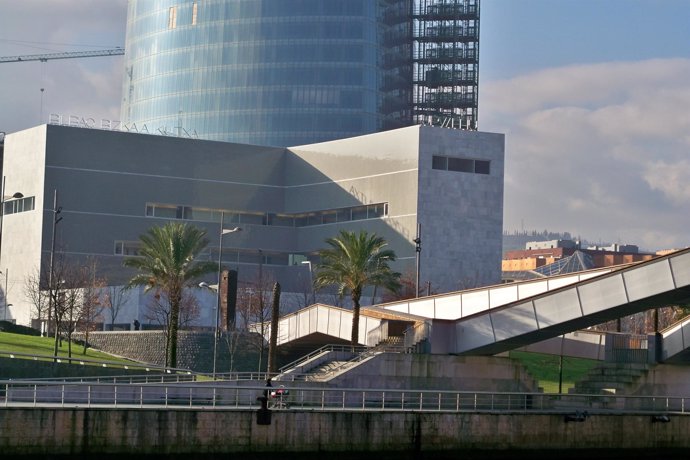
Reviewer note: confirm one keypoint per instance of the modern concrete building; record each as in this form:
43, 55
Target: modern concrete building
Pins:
113, 186
292, 72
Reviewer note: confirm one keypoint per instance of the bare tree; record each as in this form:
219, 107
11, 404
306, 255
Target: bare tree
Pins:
92, 301
158, 311
35, 292
254, 309
231, 339
114, 298
58, 288
304, 294
78, 302
645, 322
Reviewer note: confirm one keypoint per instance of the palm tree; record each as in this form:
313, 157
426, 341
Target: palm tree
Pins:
353, 262
166, 264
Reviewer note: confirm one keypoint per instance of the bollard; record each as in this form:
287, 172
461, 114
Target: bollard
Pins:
263, 415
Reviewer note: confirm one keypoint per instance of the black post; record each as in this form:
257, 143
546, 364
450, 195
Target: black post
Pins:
263, 415
231, 300
560, 367
418, 249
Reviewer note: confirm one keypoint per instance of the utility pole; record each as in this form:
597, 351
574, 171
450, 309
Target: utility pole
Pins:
51, 294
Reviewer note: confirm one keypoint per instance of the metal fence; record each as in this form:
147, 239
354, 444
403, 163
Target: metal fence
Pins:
214, 396
627, 348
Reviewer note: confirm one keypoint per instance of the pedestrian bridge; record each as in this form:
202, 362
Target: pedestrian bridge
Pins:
504, 317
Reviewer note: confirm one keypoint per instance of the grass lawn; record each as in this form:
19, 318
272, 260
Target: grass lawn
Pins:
33, 345
545, 368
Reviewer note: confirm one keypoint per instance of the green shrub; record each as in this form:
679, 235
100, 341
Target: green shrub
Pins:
6, 326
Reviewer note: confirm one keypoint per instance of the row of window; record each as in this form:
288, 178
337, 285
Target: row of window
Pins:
172, 16
258, 128
279, 9
329, 216
351, 25
131, 248
20, 205
339, 100
459, 164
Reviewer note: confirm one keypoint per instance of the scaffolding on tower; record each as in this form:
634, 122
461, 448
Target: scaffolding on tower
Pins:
446, 63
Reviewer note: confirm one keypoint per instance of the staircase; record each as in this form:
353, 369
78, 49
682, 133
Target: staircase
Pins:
324, 371
611, 378
392, 344
329, 369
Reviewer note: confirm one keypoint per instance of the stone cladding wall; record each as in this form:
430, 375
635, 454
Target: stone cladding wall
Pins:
195, 349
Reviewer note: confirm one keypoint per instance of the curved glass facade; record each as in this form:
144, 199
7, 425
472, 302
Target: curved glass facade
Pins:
266, 72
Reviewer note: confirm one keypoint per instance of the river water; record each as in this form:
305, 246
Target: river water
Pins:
513, 454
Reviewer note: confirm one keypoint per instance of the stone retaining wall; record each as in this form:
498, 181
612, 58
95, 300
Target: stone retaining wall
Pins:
195, 349
54, 431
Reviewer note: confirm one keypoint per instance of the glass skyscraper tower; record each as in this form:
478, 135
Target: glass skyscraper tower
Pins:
283, 72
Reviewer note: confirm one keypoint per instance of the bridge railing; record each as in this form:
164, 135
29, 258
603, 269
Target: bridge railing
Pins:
214, 396
324, 349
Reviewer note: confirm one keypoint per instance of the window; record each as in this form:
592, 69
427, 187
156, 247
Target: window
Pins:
359, 213
127, 248
377, 210
459, 164
326, 216
439, 162
482, 167
172, 17
19, 205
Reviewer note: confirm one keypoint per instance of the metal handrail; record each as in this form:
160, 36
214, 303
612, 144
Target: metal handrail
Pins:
323, 349
82, 361
208, 397
142, 378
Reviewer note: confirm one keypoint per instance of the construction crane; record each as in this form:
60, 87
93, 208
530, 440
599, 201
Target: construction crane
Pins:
67, 55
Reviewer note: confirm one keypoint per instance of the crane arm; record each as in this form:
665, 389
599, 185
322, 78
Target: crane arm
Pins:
67, 55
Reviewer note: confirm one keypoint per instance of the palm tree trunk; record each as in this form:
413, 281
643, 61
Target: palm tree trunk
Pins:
273, 341
356, 294
174, 326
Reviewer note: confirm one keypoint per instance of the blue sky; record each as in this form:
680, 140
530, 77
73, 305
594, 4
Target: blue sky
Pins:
592, 95
518, 36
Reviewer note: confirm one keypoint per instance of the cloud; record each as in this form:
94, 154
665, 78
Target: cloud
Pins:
88, 87
597, 150
671, 179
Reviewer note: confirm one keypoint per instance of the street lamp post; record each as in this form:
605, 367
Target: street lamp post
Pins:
56, 219
7, 305
311, 281
223, 231
418, 249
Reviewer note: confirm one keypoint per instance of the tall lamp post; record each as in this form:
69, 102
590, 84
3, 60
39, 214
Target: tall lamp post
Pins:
223, 231
56, 219
418, 249
7, 305
311, 281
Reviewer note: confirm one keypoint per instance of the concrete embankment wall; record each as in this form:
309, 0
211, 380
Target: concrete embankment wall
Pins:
42, 431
